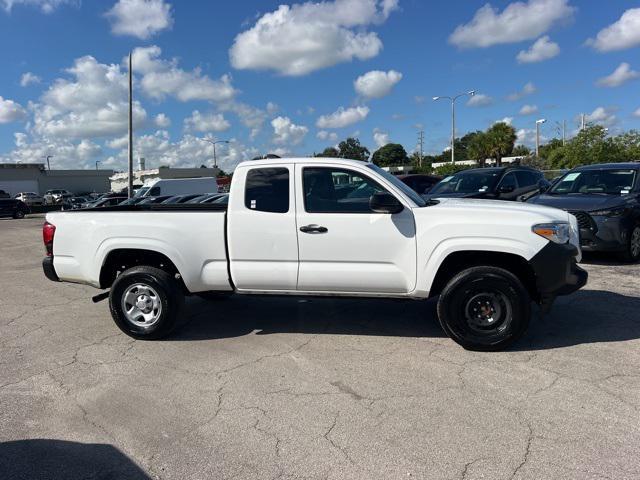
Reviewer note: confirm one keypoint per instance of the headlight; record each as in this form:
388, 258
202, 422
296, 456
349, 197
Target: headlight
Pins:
557, 232
612, 212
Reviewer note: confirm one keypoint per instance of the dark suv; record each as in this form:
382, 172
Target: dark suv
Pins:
606, 200
11, 207
501, 183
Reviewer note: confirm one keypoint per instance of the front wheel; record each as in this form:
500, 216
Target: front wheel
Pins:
145, 302
484, 308
631, 252
18, 214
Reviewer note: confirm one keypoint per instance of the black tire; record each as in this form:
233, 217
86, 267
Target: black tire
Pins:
161, 289
631, 253
470, 301
18, 214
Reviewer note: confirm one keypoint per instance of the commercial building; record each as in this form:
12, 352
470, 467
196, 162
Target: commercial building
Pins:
120, 181
33, 177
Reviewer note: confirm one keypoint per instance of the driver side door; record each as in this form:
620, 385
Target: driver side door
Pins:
343, 246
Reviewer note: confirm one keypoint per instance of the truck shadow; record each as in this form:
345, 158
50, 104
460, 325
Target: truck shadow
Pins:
48, 459
587, 316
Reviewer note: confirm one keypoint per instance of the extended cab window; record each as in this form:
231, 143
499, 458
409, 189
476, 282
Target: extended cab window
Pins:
337, 190
267, 190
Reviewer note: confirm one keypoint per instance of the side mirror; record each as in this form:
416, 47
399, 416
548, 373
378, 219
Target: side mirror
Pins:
384, 202
506, 189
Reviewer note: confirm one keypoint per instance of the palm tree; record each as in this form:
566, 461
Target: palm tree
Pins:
501, 138
479, 148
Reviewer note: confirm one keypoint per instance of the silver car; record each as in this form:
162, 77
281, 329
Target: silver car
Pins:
30, 198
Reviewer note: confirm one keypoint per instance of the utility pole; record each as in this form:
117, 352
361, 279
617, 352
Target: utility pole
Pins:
421, 143
130, 193
564, 132
538, 123
582, 122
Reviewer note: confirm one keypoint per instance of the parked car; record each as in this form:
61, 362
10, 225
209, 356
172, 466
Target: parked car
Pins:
207, 198
56, 196
11, 207
105, 202
181, 198
179, 186
421, 183
285, 232
158, 199
4, 194
74, 203
605, 198
502, 183
30, 198
132, 201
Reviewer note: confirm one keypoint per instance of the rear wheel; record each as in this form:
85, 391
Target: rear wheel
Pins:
18, 214
145, 302
632, 250
484, 308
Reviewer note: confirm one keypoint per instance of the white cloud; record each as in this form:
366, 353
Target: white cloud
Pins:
625, 33
637, 113
527, 136
542, 49
162, 121
304, 37
46, 6
162, 78
528, 109
286, 132
29, 78
331, 136
93, 104
343, 117
66, 154
11, 111
507, 120
251, 117
208, 122
381, 138
419, 99
620, 75
376, 83
604, 116
479, 100
519, 21
528, 89
140, 18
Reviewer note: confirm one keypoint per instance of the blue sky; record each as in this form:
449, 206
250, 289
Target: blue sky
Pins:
282, 78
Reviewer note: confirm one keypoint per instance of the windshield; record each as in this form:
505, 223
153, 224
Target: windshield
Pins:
141, 192
408, 191
468, 182
604, 181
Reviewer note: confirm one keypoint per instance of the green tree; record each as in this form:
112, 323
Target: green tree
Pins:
450, 169
590, 145
521, 151
479, 148
390, 154
546, 149
352, 149
501, 138
331, 152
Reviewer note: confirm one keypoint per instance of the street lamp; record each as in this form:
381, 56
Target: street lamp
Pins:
97, 162
212, 142
471, 93
47, 157
538, 123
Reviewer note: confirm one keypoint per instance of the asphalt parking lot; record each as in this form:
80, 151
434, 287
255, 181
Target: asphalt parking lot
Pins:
266, 388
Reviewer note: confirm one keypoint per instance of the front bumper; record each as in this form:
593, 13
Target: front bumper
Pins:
557, 272
606, 234
49, 270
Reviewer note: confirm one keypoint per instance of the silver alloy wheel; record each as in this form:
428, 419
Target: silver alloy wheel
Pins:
635, 242
141, 305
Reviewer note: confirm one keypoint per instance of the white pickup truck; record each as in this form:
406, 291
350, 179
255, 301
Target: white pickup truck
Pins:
315, 226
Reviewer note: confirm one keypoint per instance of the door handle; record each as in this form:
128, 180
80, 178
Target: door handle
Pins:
313, 228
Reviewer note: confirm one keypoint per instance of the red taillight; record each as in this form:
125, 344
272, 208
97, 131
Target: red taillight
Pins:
48, 231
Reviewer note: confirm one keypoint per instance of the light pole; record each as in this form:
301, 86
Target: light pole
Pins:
212, 142
538, 123
47, 157
471, 93
97, 162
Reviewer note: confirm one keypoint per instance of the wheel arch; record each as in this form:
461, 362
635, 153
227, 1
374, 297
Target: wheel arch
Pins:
120, 259
460, 260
